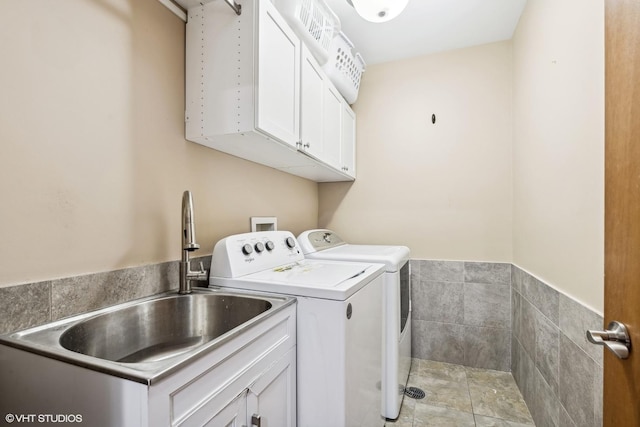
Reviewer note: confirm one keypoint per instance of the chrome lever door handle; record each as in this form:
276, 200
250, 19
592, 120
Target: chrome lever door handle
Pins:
615, 338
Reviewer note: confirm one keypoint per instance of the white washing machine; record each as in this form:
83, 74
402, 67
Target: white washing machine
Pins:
396, 296
339, 361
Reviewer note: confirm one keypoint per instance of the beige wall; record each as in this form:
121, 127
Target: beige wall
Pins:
558, 151
93, 158
444, 190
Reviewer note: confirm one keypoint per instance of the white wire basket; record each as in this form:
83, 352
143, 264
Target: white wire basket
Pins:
314, 22
344, 69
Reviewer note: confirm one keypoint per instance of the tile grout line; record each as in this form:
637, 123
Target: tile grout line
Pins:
473, 411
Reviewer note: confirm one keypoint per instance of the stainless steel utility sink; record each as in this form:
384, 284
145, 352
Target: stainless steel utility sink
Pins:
161, 328
145, 340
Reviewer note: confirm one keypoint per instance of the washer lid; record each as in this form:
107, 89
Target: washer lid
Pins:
393, 257
315, 274
313, 278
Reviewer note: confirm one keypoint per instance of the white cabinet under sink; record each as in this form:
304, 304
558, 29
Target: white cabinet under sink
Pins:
253, 374
251, 94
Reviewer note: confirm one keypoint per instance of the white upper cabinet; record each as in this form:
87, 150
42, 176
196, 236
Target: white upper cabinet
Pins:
250, 92
348, 141
312, 98
278, 77
332, 125
327, 124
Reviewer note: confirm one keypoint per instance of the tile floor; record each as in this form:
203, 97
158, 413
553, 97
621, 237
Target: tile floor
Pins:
458, 396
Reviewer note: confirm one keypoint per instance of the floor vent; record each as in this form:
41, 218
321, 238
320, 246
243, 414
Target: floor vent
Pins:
414, 393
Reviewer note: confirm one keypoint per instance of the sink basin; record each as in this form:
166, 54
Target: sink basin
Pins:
161, 328
147, 339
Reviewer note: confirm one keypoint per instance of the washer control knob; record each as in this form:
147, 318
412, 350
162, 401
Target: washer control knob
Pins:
290, 242
259, 247
270, 245
247, 249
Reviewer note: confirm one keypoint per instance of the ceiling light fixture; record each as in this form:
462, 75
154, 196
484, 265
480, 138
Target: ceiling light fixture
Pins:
378, 10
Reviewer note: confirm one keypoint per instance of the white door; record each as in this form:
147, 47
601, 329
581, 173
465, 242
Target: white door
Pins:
311, 111
348, 141
332, 126
232, 415
271, 400
278, 77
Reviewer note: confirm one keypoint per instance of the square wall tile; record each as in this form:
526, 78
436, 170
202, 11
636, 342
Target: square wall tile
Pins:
515, 358
488, 348
442, 342
545, 407
577, 383
575, 320
438, 301
525, 374
516, 302
487, 272
24, 306
547, 351
517, 276
80, 294
487, 305
565, 419
528, 316
542, 296
414, 267
442, 271
598, 397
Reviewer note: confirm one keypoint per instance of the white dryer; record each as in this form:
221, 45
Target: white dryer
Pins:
327, 245
339, 361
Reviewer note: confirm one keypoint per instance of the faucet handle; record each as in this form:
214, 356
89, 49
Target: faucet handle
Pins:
202, 270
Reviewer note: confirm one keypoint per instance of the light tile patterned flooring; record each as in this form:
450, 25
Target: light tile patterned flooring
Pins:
458, 396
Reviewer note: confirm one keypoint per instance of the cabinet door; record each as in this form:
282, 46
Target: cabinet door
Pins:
348, 141
272, 397
232, 415
311, 102
332, 126
278, 76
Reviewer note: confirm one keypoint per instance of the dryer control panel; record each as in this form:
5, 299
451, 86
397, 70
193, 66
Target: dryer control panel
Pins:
247, 253
318, 240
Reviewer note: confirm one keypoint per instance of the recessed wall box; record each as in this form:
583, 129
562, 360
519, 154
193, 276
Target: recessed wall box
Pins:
264, 223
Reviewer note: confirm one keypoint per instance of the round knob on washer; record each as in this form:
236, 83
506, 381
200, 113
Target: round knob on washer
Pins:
247, 249
270, 245
290, 242
259, 247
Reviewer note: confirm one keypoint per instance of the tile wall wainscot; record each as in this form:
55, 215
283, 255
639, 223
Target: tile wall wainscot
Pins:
558, 372
461, 313
498, 316
32, 304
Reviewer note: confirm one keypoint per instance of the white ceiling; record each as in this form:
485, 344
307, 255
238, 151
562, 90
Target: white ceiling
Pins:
428, 26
